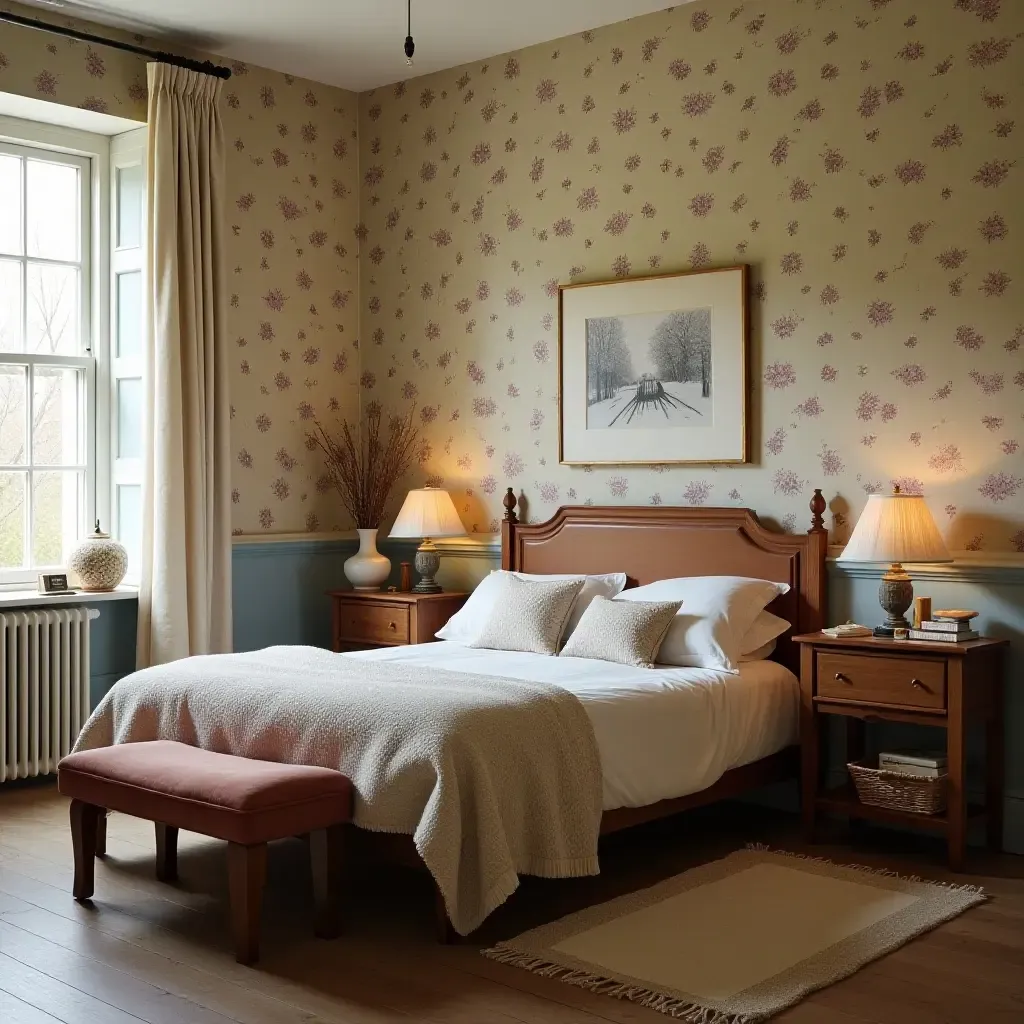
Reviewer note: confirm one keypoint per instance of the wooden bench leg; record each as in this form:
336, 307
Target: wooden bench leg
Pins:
84, 818
101, 833
326, 852
166, 852
247, 871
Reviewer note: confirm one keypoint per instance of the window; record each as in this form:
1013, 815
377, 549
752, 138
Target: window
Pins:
47, 363
71, 352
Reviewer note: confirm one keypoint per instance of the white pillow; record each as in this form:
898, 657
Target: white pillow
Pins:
766, 627
761, 654
716, 613
466, 625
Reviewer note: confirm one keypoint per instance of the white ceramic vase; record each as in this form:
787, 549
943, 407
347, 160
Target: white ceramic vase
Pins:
367, 569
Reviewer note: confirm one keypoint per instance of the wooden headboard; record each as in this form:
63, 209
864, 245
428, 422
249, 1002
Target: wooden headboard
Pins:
661, 542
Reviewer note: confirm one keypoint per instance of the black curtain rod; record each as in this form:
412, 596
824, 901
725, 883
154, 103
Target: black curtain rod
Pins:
204, 67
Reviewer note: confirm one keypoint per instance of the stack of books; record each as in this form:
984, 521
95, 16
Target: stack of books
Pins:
947, 628
926, 763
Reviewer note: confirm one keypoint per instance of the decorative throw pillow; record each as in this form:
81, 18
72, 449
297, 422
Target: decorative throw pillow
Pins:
465, 625
528, 615
627, 632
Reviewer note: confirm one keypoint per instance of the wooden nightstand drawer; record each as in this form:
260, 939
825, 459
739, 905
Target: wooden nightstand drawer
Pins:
911, 682
377, 623
378, 618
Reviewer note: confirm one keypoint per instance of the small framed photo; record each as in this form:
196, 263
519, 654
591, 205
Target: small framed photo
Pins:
54, 583
653, 370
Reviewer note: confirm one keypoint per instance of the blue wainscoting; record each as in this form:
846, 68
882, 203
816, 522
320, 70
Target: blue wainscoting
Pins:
279, 588
111, 645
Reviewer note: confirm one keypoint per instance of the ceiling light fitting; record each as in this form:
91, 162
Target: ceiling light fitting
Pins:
410, 46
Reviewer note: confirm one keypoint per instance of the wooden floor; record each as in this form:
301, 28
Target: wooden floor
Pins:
161, 954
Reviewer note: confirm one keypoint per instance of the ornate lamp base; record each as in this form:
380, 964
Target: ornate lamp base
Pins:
895, 595
427, 562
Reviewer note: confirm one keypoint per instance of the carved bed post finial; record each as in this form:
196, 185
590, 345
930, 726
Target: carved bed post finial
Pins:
508, 530
509, 501
817, 507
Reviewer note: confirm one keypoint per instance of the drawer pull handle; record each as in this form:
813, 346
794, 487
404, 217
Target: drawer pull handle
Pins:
917, 684
391, 625
840, 678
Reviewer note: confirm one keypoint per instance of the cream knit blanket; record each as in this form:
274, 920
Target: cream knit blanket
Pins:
492, 777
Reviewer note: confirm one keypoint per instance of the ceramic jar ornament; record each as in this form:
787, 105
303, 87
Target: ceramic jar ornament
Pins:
100, 562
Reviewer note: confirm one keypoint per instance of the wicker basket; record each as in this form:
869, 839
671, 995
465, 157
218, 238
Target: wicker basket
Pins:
917, 794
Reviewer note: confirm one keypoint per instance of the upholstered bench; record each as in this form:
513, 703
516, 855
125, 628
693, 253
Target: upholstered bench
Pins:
244, 801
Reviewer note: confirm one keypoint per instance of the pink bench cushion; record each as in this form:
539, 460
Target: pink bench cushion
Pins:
233, 798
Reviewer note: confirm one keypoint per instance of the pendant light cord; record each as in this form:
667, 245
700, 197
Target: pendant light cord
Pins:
410, 46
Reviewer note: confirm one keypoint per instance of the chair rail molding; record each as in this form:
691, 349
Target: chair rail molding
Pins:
966, 567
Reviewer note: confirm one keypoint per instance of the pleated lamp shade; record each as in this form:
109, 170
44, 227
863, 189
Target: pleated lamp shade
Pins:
896, 528
428, 512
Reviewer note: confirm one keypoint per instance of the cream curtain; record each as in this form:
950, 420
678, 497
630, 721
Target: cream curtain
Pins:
185, 593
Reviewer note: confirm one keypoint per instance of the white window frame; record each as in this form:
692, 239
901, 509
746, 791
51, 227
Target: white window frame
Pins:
126, 150
92, 153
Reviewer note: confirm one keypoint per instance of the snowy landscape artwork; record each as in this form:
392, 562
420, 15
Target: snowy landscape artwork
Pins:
649, 370
654, 370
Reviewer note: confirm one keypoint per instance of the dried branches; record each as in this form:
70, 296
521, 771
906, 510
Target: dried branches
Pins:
364, 474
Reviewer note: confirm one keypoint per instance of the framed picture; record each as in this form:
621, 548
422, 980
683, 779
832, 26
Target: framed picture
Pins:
654, 370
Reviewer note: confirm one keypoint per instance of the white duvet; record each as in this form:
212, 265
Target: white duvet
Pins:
661, 732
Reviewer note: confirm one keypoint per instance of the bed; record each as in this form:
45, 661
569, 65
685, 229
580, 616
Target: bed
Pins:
667, 739
650, 543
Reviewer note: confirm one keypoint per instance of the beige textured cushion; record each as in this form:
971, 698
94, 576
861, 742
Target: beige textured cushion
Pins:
529, 615
627, 632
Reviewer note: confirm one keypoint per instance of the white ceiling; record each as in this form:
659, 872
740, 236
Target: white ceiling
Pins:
357, 44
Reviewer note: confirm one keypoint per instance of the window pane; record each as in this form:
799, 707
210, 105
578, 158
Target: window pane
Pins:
10, 306
53, 215
57, 417
57, 509
129, 314
129, 418
10, 204
53, 318
13, 389
129, 207
129, 524
12, 520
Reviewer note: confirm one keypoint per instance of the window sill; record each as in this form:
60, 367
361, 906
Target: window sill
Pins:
29, 598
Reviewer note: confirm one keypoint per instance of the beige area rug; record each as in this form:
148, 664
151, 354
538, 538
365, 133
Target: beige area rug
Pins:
740, 939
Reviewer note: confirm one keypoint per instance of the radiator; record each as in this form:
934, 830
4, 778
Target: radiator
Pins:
44, 687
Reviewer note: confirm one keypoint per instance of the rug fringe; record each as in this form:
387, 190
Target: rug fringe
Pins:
975, 890
680, 1009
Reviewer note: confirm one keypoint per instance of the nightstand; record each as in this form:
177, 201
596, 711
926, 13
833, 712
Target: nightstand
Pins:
922, 682
375, 618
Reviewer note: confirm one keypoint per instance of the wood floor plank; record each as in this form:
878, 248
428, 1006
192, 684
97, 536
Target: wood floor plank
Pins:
124, 986
15, 1011
226, 982
64, 1002
158, 953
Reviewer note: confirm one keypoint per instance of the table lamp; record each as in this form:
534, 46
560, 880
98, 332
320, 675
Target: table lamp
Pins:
427, 512
895, 528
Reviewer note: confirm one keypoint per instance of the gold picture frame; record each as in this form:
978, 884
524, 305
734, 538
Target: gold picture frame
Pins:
649, 365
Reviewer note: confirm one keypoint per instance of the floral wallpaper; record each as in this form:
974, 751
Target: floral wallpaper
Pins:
292, 175
863, 156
